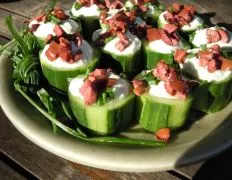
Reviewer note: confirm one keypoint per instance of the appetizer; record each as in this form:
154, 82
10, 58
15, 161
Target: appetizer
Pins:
46, 24
211, 36
163, 98
161, 44
89, 12
102, 102
119, 44
214, 73
184, 16
65, 57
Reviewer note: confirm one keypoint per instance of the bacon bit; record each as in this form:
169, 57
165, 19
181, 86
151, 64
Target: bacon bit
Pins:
224, 35
186, 15
165, 37
176, 7
139, 87
169, 17
65, 42
58, 31
49, 38
213, 65
34, 27
111, 82
163, 134
180, 55
191, 9
60, 14
212, 36
100, 74
226, 64
78, 56
205, 55
153, 34
53, 51
170, 28
65, 53
164, 72
116, 5
122, 44
176, 87
40, 17
215, 48
44, 19
203, 61
89, 93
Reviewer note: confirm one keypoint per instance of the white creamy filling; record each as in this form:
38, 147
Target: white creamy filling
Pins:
135, 45
194, 24
193, 67
161, 47
200, 38
69, 26
61, 64
91, 11
121, 89
160, 91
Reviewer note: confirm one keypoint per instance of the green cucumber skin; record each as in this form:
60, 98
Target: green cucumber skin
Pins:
154, 113
212, 97
58, 78
89, 25
153, 57
130, 65
106, 119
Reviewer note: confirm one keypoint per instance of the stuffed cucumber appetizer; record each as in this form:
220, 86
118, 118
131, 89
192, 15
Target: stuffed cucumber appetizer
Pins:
89, 12
47, 23
161, 44
214, 73
66, 57
163, 98
211, 36
184, 16
103, 102
121, 48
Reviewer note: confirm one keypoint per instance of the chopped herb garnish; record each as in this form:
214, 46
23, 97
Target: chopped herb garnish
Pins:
77, 6
149, 78
203, 47
191, 55
105, 96
53, 19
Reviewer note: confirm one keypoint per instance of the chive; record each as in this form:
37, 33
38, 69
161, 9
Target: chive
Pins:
54, 19
77, 5
16, 35
203, 47
190, 55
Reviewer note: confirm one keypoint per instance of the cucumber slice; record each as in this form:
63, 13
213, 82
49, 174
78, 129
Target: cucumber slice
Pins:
153, 56
196, 23
58, 77
155, 113
106, 119
212, 97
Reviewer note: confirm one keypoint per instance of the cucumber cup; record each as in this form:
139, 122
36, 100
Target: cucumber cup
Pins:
112, 115
59, 72
89, 17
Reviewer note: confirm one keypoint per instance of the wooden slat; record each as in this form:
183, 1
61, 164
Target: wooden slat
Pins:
6, 172
48, 166
3, 28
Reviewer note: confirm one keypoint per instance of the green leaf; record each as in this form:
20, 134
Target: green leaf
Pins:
16, 35
48, 103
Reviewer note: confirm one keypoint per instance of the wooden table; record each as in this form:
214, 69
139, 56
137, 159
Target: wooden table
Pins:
21, 159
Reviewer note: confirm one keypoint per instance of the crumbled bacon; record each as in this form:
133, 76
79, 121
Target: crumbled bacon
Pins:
65, 42
212, 36
34, 27
180, 15
122, 44
140, 87
53, 51
164, 72
65, 53
213, 65
60, 14
170, 28
226, 64
180, 55
215, 48
40, 17
58, 31
224, 35
89, 92
170, 39
163, 134
153, 34
176, 87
